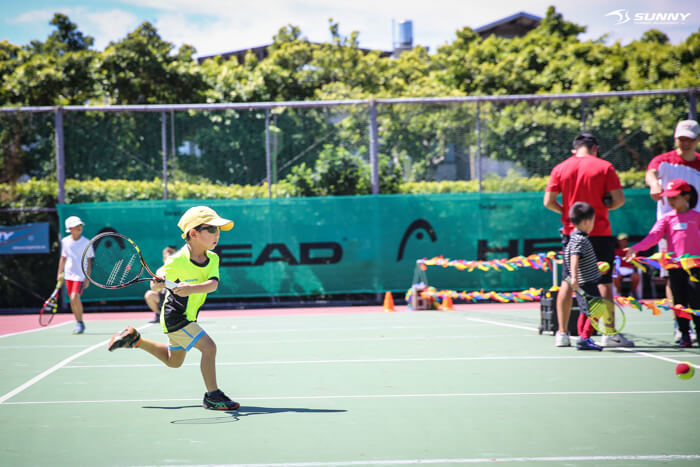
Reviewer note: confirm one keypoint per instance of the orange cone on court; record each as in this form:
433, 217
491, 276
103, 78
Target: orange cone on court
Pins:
446, 304
388, 302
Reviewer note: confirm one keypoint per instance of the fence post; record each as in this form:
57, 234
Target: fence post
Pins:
373, 157
164, 139
60, 156
583, 115
693, 112
268, 162
478, 143
172, 142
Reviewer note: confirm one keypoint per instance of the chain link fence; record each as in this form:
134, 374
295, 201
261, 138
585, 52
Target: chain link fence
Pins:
468, 138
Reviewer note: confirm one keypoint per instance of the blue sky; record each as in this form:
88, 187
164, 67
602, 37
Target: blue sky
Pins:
214, 26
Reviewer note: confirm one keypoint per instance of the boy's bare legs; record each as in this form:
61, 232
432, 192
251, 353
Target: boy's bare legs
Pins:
172, 358
208, 364
561, 336
564, 301
76, 306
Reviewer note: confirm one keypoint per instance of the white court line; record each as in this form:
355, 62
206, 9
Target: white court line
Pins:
659, 357
57, 366
626, 349
372, 360
367, 339
35, 330
498, 323
468, 460
373, 396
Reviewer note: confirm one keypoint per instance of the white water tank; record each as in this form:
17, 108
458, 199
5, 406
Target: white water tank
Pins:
404, 41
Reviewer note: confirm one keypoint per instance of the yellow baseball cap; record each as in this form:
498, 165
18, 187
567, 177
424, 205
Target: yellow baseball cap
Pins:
199, 215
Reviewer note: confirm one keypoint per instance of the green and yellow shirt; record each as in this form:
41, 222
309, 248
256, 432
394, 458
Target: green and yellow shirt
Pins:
177, 312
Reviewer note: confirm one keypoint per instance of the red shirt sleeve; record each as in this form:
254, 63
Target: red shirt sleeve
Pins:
554, 184
612, 181
656, 161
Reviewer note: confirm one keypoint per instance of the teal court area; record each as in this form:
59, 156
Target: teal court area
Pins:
352, 387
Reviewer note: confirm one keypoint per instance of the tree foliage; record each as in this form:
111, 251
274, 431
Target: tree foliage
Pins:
229, 147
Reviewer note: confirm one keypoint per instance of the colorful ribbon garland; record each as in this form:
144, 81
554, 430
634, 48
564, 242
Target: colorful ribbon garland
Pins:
534, 295
667, 261
529, 295
541, 261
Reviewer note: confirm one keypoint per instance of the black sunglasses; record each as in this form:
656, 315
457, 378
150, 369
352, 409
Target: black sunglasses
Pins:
212, 229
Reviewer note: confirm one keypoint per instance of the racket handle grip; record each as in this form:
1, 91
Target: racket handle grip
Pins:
170, 284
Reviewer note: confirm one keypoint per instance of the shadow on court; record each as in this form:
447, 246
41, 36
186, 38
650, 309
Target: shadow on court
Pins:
235, 415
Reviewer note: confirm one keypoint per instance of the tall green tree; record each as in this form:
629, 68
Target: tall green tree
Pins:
142, 69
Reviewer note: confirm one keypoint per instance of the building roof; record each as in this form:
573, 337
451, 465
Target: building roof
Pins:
515, 25
261, 52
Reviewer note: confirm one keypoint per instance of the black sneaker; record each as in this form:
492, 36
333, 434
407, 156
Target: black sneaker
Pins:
156, 318
217, 400
127, 337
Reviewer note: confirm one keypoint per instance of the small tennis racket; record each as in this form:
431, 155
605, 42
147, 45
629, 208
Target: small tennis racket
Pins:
607, 317
50, 307
118, 262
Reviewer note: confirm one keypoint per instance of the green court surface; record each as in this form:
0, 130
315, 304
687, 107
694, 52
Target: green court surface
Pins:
477, 385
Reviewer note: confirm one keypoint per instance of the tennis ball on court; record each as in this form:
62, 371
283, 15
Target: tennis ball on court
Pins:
685, 370
603, 267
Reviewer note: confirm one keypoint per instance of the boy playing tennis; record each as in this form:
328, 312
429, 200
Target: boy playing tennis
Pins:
195, 269
72, 248
582, 266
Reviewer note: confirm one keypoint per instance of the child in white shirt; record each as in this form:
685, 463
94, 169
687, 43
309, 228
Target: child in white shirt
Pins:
72, 248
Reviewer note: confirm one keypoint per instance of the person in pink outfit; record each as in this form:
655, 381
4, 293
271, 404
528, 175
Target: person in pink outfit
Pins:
681, 229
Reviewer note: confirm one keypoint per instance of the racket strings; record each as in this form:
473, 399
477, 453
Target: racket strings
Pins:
114, 264
115, 271
606, 317
127, 269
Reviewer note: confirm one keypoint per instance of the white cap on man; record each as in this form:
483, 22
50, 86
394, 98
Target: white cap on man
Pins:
73, 221
688, 129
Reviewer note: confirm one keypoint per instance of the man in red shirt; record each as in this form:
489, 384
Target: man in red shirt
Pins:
683, 162
585, 177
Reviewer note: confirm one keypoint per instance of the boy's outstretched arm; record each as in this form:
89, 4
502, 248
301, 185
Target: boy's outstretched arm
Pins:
184, 289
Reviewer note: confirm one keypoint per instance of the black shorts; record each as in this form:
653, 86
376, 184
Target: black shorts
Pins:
604, 248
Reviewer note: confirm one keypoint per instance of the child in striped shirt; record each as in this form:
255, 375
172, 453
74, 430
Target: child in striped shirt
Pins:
582, 264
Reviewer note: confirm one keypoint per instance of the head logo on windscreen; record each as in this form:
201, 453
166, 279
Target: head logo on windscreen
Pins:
419, 227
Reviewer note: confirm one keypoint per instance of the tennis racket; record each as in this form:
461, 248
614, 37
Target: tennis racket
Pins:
118, 262
606, 316
50, 307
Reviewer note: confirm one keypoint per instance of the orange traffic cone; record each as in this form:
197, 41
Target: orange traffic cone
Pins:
388, 302
446, 304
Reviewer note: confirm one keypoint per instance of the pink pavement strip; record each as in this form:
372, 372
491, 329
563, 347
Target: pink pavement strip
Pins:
11, 324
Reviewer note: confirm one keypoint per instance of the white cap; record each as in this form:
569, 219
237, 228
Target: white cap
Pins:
687, 128
73, 221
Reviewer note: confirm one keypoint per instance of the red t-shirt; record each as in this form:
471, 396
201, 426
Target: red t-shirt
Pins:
587, 179
671, 165
673, 158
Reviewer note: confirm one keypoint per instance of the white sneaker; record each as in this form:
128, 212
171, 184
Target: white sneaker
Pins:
616, 340
561, 340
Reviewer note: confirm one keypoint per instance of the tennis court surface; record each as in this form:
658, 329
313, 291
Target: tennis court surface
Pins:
350, 387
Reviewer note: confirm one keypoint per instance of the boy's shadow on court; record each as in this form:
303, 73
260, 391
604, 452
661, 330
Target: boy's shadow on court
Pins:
655, 345
236, 415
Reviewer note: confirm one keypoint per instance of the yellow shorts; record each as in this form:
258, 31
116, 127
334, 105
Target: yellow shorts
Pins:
185, 338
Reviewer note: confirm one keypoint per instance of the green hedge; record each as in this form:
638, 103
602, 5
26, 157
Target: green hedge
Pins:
42, 193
